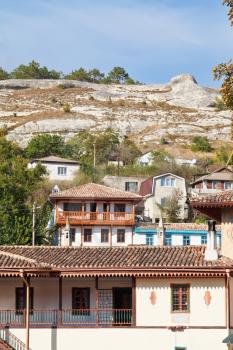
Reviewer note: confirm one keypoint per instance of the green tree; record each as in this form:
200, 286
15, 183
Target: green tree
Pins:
201, 144
95, 76
17, 182
128, 151
229, 3
3, 74
117, 75
34, 71
80, 74
46, 145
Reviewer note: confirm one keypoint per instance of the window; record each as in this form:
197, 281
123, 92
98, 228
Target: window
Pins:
180, 297
119, 208
168, 240
104, 235
87, 235
227, 185
72, 234
215, 184
61, 170
150, 239
168, 181
120, 236
20, 299
163, 202
186, 240
81, 301
204, 239
72, 206
131, 186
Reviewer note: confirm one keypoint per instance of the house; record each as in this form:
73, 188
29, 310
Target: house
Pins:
219, 180
58, 169
158, 189
146, 159
93, 215
178, 234
112, 297
124, 183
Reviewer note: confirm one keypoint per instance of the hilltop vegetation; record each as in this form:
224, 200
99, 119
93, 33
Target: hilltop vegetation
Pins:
33, 70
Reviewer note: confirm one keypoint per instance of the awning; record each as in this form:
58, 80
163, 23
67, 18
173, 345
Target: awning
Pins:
228, 340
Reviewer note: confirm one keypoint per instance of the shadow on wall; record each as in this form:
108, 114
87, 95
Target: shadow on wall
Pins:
54, 338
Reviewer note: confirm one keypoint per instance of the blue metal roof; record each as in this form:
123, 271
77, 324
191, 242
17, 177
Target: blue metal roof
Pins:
140, 230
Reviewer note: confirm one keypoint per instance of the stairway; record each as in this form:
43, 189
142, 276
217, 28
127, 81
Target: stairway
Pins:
4, 345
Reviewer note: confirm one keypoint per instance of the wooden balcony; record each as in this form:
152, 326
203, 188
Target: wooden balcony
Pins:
94, 218
68, 318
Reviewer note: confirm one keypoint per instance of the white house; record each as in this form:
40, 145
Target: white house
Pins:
59, 169
146, 159
124, 183
158, 189
95, 215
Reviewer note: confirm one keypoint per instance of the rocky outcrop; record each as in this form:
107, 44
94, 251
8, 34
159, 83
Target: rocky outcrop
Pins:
176, 111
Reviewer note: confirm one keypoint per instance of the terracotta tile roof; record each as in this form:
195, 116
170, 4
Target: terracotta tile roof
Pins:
220, 199
54, 159
116, 259
95, 191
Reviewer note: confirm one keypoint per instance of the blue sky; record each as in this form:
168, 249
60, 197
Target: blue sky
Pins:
153, 39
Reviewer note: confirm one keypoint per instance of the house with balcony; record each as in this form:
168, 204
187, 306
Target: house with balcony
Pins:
219, 180
58, 169
156, 190
107, 297
94, 215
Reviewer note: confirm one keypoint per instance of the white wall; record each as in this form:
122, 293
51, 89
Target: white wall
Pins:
124, 338
160, 192
52, 169
160, 314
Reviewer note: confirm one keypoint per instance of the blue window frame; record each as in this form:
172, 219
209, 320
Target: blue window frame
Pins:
204, 239
150, 239
168, 181
186, 240
168, 240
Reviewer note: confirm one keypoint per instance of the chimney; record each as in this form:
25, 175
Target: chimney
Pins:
67, 240
211, 251
161, 233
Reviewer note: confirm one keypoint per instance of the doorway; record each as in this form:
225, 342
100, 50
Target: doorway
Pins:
122, 305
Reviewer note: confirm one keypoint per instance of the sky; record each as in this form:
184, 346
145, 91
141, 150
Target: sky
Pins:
154, 40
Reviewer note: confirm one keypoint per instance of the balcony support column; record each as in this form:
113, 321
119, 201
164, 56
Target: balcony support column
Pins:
60, 300
27, 315
97, 299
134, 301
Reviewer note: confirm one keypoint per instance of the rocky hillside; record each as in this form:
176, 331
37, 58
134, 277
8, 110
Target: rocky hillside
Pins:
176, 111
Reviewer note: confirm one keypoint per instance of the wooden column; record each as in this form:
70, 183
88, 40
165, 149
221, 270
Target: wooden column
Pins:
81, 235
60, 300
97, 299
134, 314
110, 236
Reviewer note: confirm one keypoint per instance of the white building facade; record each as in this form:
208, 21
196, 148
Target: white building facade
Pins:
158, 189
58, 169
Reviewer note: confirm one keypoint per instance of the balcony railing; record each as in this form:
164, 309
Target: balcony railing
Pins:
68, 318
80, 217
11, 340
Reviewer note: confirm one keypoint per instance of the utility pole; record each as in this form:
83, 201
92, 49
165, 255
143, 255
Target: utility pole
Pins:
94, 160
33, 222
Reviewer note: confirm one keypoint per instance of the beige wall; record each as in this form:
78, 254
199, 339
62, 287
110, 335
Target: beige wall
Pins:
160, 192
227, 232
115, 339
160, 314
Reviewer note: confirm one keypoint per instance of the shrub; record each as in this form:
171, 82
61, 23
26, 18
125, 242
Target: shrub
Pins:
201, 144
66, 108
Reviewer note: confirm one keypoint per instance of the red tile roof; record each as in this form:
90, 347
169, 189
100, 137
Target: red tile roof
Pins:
114, 260
217, 200
94, 191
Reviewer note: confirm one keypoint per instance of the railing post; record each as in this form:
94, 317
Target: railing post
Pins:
134, 315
